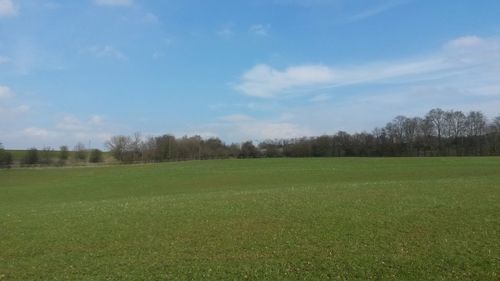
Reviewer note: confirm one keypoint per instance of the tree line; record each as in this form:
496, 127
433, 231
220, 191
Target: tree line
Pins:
50, 157
438, 133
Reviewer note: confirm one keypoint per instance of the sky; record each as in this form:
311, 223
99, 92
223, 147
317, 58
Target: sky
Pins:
84, 70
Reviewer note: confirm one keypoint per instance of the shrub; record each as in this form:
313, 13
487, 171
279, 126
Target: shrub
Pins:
6, 158
95, 156
31, 157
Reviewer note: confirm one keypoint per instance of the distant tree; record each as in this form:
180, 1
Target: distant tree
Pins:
495, 133
6, 158
46, 156
436, 117
476, 129
80, 153
496, 123
118, 145
271, 148
475, 123
454, 130
63, 154
439, 133
95, 156
135, 147
31, 157
410, 129
248, 150
165, 147
234, 150
213, 148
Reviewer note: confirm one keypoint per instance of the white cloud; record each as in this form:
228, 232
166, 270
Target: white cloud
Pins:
241, 127
5, 92
96, 120
260, 29
461, 75
226, 30
107, 51
465, 42
72, 123
7, 8
265, 81
39, 133
123, 3
69, 130
472, 57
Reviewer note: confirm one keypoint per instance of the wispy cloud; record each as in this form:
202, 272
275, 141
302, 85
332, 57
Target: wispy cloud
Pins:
265, 81
10, 108
39, 133
471, 56
315, 99
119, 3
376, 10
69, 130
260, 29
7, 8
72, 123
241, 127
226, 30
107, 51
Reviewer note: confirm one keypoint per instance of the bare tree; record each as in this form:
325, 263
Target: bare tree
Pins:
119, 147
476, 128
410, 129
436, 118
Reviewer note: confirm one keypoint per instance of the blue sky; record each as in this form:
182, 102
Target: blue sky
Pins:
84, 70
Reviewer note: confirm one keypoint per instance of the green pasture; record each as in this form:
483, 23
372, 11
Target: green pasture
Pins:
262, 219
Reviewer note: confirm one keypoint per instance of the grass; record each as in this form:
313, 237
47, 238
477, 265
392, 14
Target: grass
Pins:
265, 219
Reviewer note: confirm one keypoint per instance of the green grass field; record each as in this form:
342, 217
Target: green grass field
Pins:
264, 219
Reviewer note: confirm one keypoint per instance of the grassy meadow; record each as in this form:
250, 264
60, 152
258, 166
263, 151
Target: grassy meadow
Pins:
262, 219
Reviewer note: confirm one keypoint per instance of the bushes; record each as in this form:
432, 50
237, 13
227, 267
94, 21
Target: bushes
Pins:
6, 158
95, 156
80, 152
63, 154
31, 157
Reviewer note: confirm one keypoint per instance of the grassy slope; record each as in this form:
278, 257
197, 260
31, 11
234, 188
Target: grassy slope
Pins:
389, 219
